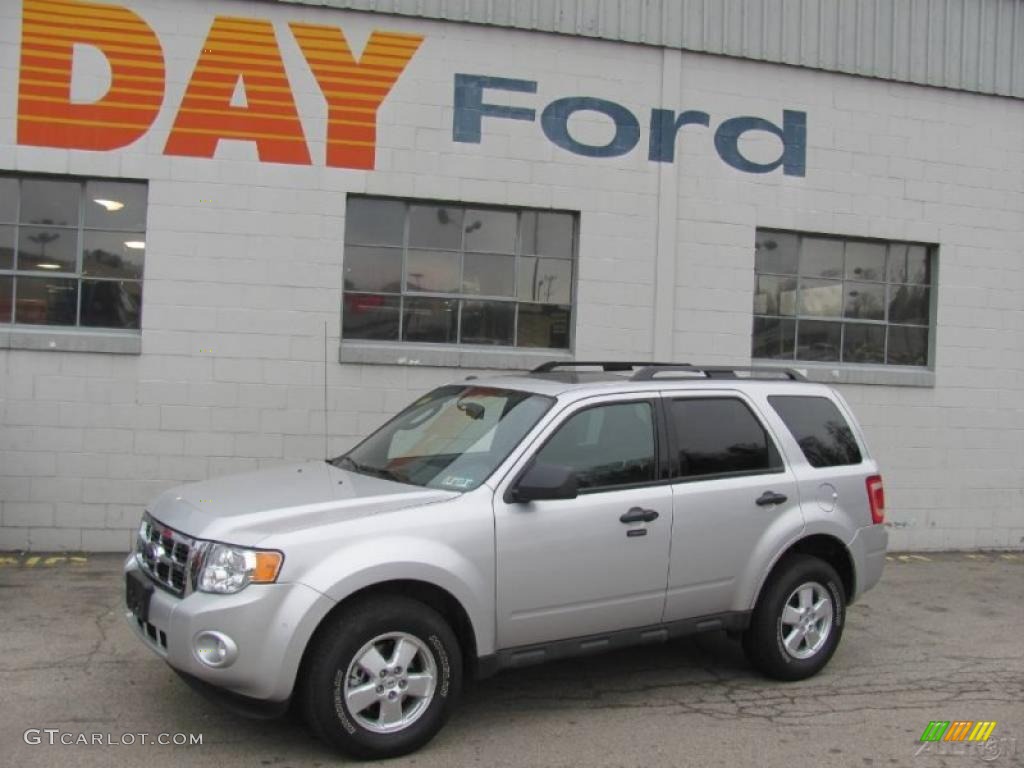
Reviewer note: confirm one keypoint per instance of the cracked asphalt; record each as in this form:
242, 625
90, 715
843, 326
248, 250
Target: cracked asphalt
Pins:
940, 638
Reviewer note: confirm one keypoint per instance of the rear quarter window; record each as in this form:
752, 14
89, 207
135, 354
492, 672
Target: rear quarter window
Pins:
821, 431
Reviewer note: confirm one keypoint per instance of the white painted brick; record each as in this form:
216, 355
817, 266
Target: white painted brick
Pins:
25, 514
113, 540
54, 539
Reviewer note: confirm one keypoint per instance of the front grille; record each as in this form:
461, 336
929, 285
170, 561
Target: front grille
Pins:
164, 554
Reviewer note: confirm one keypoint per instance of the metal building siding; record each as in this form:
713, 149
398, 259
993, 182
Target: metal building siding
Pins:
971, 45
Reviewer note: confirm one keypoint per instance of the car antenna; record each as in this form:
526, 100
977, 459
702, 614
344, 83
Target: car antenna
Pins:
327, 456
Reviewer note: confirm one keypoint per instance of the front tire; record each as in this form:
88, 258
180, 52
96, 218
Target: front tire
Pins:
798, 619
382, 678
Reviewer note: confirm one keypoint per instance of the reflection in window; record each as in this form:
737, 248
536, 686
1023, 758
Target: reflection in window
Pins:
449, 274
55, 233
823, 434
832, 299
607, 446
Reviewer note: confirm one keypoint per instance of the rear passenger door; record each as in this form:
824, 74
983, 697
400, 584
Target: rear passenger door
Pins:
733, 500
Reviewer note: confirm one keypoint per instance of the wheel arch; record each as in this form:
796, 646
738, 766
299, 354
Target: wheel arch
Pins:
825, 547
430, 594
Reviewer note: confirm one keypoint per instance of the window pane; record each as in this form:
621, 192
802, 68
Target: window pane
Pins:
6, 297
821, 298
776, 252
490, 231
489, 274
47, 248
865, 301
775, 296
909, 304
917, 265
115, 205
435, 226
907, 346
774, 338
817, 340
432, 320
374, 222
46, 301
434, 271
820, 257
370, 317
863, 343
546, 234
547, 280
373, 269
487, 322
823, 434
6, 247
897, 263
607, 446
865, 261
45, 201
718, 436
543, 325
8, 198
113, 254
111, 304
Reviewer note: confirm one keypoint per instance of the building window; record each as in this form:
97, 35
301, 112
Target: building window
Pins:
843, 300
71, 252
456, 274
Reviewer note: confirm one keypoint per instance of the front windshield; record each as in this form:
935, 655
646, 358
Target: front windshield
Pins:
451, 438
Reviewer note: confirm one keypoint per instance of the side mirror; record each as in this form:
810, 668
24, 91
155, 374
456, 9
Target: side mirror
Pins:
544, 481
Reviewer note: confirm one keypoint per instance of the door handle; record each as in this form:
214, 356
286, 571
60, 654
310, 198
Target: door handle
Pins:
639, 515
768, 498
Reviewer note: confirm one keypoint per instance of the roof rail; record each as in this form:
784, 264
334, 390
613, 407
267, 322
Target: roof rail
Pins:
720, 372
604, 365
648, 371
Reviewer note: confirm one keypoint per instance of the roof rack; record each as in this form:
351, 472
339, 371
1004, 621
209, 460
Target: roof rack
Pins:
648, 371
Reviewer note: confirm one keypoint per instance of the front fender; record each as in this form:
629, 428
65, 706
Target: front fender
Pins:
431, 562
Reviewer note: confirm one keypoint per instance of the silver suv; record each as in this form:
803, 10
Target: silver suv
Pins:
513, 520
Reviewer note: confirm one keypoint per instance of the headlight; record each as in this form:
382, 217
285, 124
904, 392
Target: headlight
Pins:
227, 569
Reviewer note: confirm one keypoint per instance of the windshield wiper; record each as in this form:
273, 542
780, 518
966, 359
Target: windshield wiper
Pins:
346, 462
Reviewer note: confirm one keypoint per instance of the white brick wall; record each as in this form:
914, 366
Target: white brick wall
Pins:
238, 289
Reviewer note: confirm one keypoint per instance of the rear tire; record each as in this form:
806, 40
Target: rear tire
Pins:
382, 678
798, 619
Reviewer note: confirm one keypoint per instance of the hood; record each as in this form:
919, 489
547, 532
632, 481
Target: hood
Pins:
247, 508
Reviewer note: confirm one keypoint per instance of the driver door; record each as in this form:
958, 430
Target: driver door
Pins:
572, 567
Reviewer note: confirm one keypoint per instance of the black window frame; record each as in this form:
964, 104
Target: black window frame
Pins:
842, 321
674, 440
661, 457
404, 295
81, 229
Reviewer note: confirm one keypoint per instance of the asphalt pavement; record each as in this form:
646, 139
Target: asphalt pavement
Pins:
940, 639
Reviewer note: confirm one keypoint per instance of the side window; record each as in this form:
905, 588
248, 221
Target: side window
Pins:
607, 445
820, 429
720, 436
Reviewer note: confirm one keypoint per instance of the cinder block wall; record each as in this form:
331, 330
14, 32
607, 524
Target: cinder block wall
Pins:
244, 259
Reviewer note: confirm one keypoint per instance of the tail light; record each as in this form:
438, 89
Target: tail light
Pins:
876, 499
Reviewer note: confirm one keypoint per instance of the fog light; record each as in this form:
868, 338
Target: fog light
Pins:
215, 649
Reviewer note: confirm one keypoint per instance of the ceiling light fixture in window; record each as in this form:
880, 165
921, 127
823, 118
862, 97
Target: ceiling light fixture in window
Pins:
47, 266
110, 205
137, 245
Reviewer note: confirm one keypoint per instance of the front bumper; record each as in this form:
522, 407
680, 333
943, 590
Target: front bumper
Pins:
270, 623
868, 550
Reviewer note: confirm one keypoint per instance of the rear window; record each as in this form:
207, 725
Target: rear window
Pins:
820, 429
720, 436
